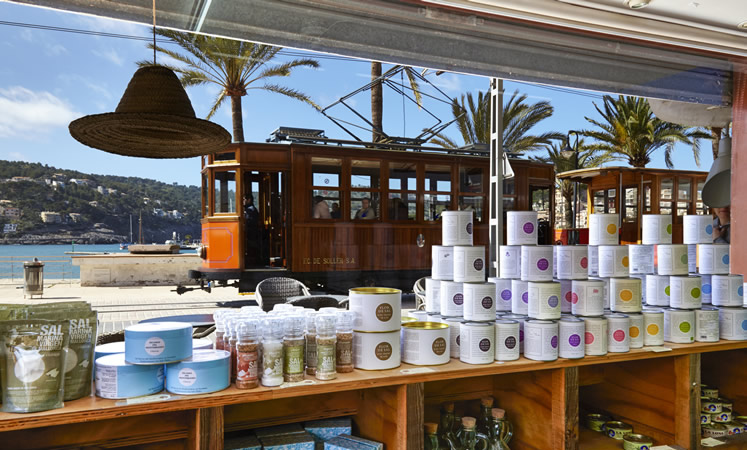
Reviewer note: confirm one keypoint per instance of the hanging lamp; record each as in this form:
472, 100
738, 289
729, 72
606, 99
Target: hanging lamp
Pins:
154, 119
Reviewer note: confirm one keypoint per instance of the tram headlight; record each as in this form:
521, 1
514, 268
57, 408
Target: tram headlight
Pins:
202, 251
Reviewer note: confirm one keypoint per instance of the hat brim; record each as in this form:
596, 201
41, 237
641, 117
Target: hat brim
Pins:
150, 135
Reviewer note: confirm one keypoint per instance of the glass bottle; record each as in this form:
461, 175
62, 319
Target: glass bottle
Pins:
501, 430
311, 342
220, 329
467, 437
272, 352
233, 339
247, 355
446, 435
228, 329
431, 436
293, 349
344, 351
485, 419
326, 345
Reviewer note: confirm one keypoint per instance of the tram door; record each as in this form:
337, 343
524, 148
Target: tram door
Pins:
265, 228
540, 197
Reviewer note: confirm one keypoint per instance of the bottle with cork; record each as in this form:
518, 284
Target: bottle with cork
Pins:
501, 430
467, 437
446, 427
431, 436
485, 418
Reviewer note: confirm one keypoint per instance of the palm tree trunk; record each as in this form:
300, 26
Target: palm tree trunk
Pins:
716, 133
237, 119
377, 103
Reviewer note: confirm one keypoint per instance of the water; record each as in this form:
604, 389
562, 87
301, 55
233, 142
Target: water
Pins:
58, 265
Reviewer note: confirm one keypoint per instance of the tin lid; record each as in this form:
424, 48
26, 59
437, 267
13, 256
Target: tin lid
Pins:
571, 319
616, 316
159, 326
616, 425
374, 291
638, 439
515, 316
708, 399
506, 321
652, 311
407, 319
706, 308
477, 324
598, 417
715, 426
425, 326
594, 319
452, 319
546, 322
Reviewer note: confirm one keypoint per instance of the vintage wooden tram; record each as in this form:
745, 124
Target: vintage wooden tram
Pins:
307, 224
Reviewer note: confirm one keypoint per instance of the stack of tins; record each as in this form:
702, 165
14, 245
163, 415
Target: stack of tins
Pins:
377, 337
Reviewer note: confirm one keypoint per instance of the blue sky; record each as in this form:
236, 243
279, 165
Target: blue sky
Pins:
49, 78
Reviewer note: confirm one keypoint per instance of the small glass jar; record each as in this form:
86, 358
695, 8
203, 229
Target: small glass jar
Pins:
326, 347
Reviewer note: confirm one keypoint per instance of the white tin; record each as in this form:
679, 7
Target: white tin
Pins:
692, 258
452, 299
442, 262
522, 320
653, 326
625, 295
713, 259
572, 262
671, 259
641, 258
685, 292
618, 327
571, 332
588, 297
728, 290
657, 229
376, 308
536, 262
732, 323
432, 295
469, 264
541, 340
502, 293
519, 297
706, 283
205, 372
507, 345
521, 227
595, 336
706, 324
510, 261
479, 301
456, 227
697, 229
426, 343
679, 326
117, 379
377, 351
158, 342
455, 324
657, 290
604, 229
566, 295
635, 333
544, 301
613, 261
593, 253
477, 342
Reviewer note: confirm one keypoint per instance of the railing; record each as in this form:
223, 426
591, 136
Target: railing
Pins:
58, 268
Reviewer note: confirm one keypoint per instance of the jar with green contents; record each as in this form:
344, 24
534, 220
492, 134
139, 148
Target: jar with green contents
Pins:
326, 346
617, 430
632, 441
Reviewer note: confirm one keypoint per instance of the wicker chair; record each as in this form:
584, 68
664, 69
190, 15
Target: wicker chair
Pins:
419, 290
272, 291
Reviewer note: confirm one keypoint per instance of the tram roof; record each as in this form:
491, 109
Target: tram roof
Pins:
584, 175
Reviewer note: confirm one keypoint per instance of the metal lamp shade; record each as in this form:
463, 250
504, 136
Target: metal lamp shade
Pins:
717, 187
154, 119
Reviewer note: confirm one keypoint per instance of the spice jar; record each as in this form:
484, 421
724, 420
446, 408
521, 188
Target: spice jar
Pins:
311, 342
220, 329
293, 349
326, 340
272, 352
247, 353
232, 341
344, 354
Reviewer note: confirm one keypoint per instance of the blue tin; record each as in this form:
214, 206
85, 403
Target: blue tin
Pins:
206, 371
158, 342
116, 378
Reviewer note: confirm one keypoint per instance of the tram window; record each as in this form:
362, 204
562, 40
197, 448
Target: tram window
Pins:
682, 209
325, 204
225, 156
225, 192
509, 203
402, 176
541, 201
647, 199
684, 189
631, 205
599, 202
509, 187
470, 179
665, 207
434, 205
402, 206
700, 207
612, 201
326, 172
364, 205
365, 174
472, 203
437, 178
667, 186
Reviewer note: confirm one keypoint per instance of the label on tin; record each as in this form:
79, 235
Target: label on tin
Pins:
187, 376
155, 346
384, 312
439, 346
383, 351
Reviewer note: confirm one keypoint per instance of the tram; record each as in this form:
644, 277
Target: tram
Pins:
335, 215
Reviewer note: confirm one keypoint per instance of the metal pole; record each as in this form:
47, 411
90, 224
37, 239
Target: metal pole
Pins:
496, 173
575, 196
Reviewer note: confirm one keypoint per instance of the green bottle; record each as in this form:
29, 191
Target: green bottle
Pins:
446, 434
501, 430
485, 418
431, 436
468, 439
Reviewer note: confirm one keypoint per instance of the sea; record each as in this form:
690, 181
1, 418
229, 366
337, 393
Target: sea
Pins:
57, 259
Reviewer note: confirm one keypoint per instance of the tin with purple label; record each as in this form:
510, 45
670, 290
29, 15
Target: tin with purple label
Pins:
521, 228
519, 297
477, 344
469, 264
452, 298
544, 301
536, 262
502, 293
479, 301
510, 261
522, 320
541, 340
506, 340
456, 228
571, 334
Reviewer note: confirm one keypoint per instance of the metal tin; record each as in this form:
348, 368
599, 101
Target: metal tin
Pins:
376, 308
734, 427
618, 327
635, 332
432, 317
506, 340
715, 430
593, 254
116, 378
201, 344
572, 262
426, 343
705, 418
657, 229
633, 441
697, 229
571, 335
555, 261
502, 293
442, 262
455, 325
732, 323
606, 296
519, 297
566, 295
541, 340
432, 295
657, 290
521, 227
510, 261
522, 320
479, 301
376, 351
604, 229
595, 336
679, 326
469, 264
641, 259
706, 288
710, 405
452, 298
685, 292
587, 297
741, 419
692, 258
728, 290
706, 325
544, 301
158, 342
595, 422
725, 403
205, 372
653, 325
723, 416
613, 261
536, 262
477, 342
708, 392
671, 259
713, 259
456, 227
419, 316
617, 430
625, 295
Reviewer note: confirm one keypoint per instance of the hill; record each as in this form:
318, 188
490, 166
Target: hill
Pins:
90, 208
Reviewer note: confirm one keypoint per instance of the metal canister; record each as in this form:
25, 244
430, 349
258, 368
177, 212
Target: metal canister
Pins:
636, 330
541, 340
454, 324
469, 263
618, 326
617, 430
710, 405
510, 261
595, 422
571, 333
477, 342
544, 301
725, 403
566, 295
536, 262
708, 392
452, 298
657, 290
679, 326
734, 428
502, 293
521, 319
705, 418
572, 262
432, 295
479, 301
519, 297
506, 340
595, 336
633, 441
715, 430
593, 254
653, 325
625, 295
685, 292
722, 417
706, 324
727, 290
426, 343
587, 297
732, 323
613, 261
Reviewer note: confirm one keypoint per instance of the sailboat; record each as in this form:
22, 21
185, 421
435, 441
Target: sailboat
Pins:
126, 245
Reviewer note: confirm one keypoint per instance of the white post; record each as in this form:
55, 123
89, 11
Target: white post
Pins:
495, 212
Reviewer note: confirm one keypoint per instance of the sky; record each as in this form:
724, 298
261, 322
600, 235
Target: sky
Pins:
49, 78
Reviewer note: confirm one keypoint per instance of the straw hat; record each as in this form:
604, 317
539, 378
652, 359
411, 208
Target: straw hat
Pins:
154, 119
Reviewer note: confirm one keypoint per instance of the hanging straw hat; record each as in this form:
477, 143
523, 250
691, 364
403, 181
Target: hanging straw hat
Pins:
154, 119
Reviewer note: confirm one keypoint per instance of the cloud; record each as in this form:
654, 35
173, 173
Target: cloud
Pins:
104, 24
448, 82
55, 50
110, 55
27, 113
100, 89
16, 156
27, 35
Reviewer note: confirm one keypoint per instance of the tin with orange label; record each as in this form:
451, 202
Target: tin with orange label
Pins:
625, 295
653, 327
426, 343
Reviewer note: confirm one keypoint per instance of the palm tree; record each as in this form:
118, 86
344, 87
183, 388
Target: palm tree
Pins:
519, 117
235, 66
630, 130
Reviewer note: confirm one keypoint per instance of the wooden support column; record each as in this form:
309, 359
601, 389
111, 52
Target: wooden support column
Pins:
206, 432
415, 414
565, 408
687, 401
738, 169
